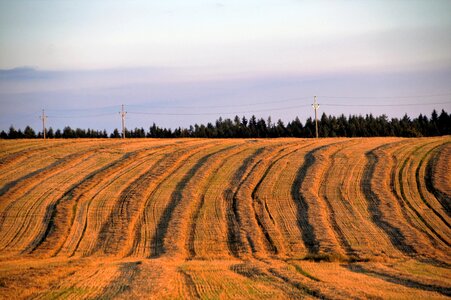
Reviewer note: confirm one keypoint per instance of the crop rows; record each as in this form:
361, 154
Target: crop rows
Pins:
199, 218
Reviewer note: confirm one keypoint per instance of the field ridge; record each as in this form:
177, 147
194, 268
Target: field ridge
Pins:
333, 218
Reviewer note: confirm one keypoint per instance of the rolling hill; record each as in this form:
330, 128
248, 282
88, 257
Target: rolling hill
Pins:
331, 218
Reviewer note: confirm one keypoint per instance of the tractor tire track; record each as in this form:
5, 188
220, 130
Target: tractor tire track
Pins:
411, 206
262, 211
62, 212
432, 168
23, 207
176, 227
317, 237
142, 226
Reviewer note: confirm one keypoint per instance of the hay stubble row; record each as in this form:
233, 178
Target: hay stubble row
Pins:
199, 218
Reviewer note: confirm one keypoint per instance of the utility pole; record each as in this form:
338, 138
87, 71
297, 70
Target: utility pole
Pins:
315, 106
43, 118
123, 113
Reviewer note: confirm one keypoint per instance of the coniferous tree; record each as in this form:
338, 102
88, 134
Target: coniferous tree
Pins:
444, 123
329, 126
29, 133
115, 134
262, 130
294, 128
50, 133
433, 125
342, 126
13, 134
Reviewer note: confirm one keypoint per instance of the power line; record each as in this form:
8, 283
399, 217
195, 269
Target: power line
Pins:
256, 103
247, 111
278, 109
111, 107
305, 98
400, 104
80, 116
225, 106
122, 113
387, 97
217, 113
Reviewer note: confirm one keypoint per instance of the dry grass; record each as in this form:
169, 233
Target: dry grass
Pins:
225, 219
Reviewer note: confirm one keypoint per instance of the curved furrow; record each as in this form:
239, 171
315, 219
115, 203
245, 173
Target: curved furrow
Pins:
114, 233
226, 218
24, 219
13, 149
16, 152
426, 196
104, 187
254, 241
145, 227
25, 149
402, 158
94, 281
317, 229
274, 192
128, 271
208, 237
255, 238
15, 145
175, 229
189, 285
347, 205
236, 238
93, 211
408, 190
401, 278
328, 192
62, 213
387, 211
381, 203
153, 199
264, 275
83, 231
33, 163
13, 200
31, 172
152, 181
239, 207
368, 241
274, 205
304, 224
263, 215
437, 179
62, 160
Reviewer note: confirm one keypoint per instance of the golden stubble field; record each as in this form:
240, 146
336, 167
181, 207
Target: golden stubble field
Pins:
225, 219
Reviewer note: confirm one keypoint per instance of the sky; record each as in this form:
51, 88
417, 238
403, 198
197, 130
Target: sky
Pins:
177, 63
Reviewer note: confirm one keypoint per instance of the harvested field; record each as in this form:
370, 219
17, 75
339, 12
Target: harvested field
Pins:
226, 219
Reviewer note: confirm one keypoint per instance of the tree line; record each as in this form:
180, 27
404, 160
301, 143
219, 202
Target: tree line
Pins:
329, 126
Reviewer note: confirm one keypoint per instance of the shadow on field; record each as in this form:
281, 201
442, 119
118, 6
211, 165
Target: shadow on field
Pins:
396, 237
401, 281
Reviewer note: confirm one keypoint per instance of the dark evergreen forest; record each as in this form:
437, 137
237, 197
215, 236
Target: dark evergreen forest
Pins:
329, 126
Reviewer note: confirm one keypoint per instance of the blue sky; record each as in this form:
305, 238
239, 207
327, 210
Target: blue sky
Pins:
192, 61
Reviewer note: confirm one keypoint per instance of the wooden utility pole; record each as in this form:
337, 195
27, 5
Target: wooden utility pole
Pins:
43, 118
315, 106
123, 113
